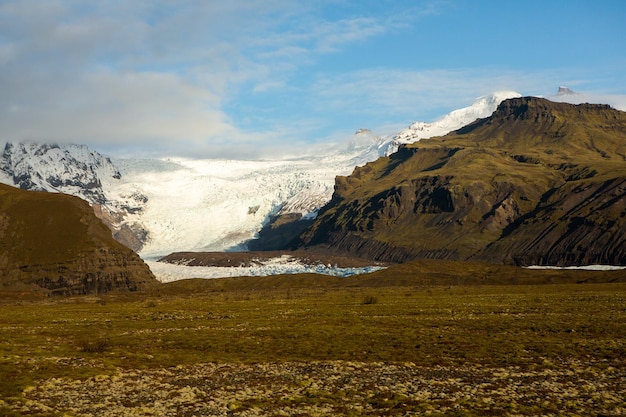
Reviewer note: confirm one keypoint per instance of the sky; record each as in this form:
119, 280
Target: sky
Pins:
276, 78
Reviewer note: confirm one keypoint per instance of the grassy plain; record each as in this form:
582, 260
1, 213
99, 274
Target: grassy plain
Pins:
477, 350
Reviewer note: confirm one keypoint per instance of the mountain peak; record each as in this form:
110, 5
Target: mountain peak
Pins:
482, 107
520, 107
564, 91
540, 107
495, 98
535, 121
72, 169
75, 170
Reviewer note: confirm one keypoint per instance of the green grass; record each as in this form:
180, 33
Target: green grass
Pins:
530, 326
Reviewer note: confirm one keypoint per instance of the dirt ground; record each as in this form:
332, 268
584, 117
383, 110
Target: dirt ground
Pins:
339, 388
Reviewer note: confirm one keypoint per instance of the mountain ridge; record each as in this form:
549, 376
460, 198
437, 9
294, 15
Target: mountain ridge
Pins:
491, 191
159, 206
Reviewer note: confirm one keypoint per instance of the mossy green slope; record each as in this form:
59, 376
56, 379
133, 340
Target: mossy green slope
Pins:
536, 183
54, 243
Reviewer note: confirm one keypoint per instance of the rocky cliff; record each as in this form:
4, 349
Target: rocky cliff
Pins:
54, 243
535, 183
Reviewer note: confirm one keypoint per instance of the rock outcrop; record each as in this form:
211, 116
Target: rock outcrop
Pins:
54, 243
536, 183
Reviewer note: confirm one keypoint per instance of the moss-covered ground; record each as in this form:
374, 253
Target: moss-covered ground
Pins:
516, 346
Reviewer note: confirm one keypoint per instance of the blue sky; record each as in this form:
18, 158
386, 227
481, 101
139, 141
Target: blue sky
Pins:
257, 79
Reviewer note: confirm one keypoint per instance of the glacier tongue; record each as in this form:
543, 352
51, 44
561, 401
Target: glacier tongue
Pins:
216, 205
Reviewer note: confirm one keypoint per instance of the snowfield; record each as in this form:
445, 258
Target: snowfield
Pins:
584, 267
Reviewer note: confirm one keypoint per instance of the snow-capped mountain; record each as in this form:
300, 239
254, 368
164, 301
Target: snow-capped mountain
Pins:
163, 206
220, 204
80, 171
565, 91
71, 169
482, 107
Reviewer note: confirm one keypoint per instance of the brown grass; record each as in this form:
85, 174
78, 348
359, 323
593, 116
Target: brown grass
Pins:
479, 330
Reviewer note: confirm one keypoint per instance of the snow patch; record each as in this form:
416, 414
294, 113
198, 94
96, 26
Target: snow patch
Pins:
584, 267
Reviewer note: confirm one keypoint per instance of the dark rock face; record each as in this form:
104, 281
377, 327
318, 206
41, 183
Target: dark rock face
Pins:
280, 231
587, 227
536, 183
56, 243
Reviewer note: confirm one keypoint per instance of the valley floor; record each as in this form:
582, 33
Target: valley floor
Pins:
220, 348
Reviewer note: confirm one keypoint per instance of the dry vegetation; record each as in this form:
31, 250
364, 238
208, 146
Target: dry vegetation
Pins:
263, 347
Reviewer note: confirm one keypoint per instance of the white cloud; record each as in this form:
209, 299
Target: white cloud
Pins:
423, 94
617, 101
107, 107
330, 36
426, 95
142, 73
175, 77
151, 73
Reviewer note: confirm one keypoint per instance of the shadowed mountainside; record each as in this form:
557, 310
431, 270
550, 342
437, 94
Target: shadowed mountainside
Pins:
538, 182
54, 243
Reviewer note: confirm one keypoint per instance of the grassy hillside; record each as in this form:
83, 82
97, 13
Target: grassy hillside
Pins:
54, 243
